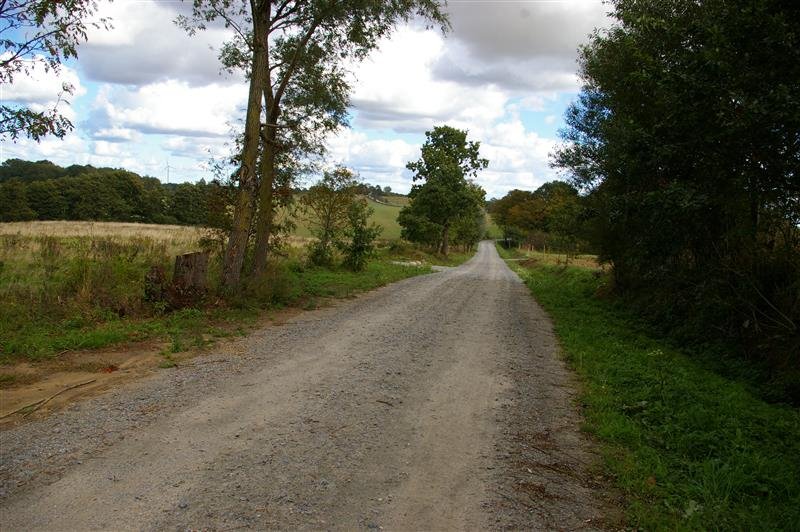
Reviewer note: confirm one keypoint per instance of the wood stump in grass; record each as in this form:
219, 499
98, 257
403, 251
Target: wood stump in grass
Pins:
190, 279
191, 271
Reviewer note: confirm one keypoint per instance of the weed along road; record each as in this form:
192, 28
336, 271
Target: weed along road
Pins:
438, 402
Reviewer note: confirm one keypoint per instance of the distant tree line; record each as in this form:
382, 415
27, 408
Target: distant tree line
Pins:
45, 191
42, 190
548, 219
685, 142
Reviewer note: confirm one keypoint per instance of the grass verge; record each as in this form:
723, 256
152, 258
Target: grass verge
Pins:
688, 448
290, 285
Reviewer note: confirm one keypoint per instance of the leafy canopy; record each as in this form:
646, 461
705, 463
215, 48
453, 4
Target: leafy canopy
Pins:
443, 191
685, 136
40, 33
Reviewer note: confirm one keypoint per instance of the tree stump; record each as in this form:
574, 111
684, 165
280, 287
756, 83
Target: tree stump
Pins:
191, 271
189, 281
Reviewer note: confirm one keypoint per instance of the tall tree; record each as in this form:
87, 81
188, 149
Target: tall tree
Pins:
443, 189
686, 134
326, 206
39, 32
294, 52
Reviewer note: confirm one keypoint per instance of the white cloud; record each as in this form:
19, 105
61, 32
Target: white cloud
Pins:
145, 46
171, 107
396, 88
376, 160
43, 88
42, 85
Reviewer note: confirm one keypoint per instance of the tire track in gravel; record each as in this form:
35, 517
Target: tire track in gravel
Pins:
412, 407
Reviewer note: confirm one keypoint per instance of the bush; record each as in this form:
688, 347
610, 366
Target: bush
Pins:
360, 234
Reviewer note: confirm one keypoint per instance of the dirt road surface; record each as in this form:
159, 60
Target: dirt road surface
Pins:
436, 403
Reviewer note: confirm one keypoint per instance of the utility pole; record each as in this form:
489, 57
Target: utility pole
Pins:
168, 167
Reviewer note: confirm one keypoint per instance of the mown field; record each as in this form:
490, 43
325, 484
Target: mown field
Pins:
69, 286
688, 449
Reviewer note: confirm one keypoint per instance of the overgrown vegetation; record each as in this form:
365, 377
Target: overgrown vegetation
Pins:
688, 448
63, 293
339, 219
685, 141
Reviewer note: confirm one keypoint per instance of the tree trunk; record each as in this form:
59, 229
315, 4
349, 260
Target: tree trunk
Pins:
446, 240
243, 211
266, 207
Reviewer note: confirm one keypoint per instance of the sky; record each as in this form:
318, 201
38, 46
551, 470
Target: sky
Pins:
151, 99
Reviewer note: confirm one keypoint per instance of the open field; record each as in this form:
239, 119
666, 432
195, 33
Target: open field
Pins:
688, 448
178, 238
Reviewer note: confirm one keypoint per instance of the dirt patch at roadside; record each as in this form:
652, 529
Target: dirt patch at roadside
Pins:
78, 375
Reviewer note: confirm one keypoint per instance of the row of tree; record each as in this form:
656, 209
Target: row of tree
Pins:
548, 219
685, 141
45, 191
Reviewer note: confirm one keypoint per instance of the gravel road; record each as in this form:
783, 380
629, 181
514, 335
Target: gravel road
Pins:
438, 402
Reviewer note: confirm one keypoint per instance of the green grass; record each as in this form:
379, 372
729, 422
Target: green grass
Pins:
688, 448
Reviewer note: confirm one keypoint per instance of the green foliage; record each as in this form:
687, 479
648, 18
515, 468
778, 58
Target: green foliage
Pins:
384, 215
447, 192
548, 218
469, 228
326, 206
416, 227
39, 34
685, 139
358, 244
688, 449
14, 202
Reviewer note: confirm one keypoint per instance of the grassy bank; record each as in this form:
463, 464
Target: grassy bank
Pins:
688, 448
85, 290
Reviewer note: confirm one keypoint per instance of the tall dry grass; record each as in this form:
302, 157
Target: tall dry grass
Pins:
73, 274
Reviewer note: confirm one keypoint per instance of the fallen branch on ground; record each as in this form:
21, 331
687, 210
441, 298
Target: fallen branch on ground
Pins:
40, 404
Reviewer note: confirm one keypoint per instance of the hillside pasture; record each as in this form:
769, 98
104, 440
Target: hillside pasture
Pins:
384, 215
